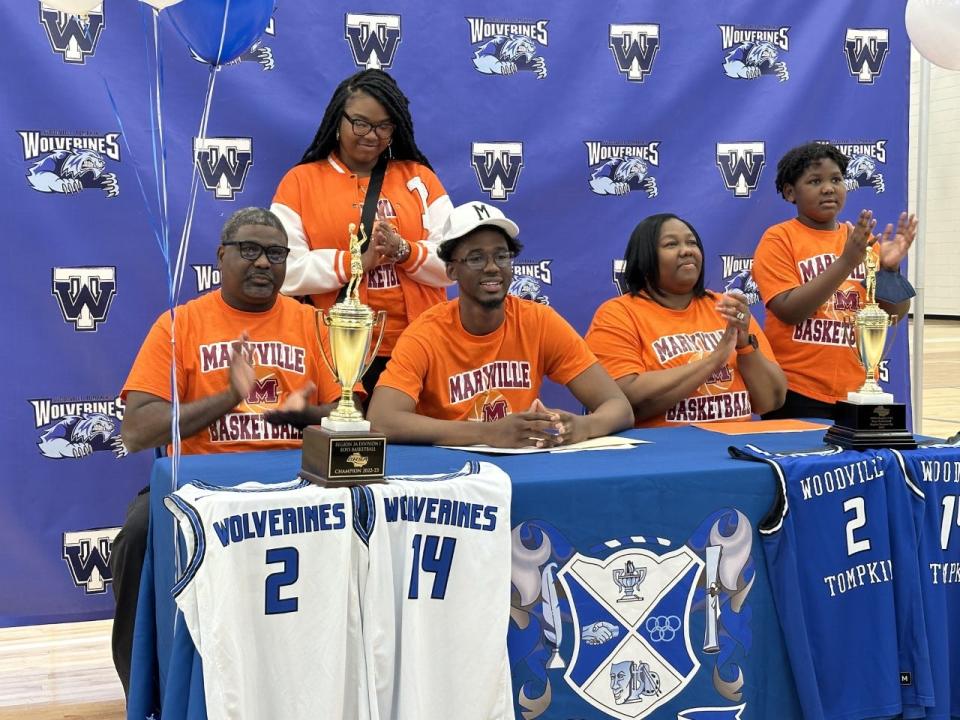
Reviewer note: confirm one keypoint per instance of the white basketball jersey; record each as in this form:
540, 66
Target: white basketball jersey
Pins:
270, 597
436, 603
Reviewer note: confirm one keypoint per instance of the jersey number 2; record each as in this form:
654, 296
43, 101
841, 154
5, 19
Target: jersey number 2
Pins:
290, 557
437, 558
859, 520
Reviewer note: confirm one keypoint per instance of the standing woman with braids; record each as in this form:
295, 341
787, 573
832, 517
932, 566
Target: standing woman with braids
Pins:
365, 139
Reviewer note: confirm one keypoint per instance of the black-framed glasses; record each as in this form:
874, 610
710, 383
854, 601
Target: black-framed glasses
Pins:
478, 260
383, 130
250, 250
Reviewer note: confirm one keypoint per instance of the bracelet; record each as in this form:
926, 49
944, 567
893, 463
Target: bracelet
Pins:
403, 251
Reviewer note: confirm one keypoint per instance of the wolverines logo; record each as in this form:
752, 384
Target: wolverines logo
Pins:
529, 278
77, 428
752, 52
619, 169
87, 553
69, 163
223, 164
866, 161
72, 37
84, 294
506, 47
634, 49
498, 166
740, 164
737, 276
866, 49
208, 277
258, 52
373, 39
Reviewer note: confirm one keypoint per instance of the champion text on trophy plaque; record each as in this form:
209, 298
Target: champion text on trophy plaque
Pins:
869, 417
343, 450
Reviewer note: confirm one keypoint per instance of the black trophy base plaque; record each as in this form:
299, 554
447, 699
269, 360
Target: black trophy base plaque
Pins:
859, 427
342, 458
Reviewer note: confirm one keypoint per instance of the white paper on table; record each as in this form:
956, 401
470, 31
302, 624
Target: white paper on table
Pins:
609, 442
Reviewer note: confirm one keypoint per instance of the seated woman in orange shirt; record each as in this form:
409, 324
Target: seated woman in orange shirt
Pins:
681, 353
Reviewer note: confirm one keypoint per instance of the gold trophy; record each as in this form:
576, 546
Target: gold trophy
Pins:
869, 417
343, 450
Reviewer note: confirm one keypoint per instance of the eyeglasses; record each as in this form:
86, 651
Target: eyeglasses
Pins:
251, 251
383, 130
478, 260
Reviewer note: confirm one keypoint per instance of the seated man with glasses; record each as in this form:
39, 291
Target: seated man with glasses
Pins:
469, 371
249, 377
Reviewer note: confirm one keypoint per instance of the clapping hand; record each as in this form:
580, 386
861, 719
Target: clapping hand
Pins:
893, 247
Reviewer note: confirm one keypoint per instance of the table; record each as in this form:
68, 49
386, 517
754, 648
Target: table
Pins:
670, 498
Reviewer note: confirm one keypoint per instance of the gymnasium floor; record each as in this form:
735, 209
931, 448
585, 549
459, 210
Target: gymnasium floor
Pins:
60, 672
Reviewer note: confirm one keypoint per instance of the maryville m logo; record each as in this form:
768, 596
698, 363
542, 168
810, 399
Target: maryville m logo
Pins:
866, 49
634, 48
84, 294
73, 38
373, 39
740, 164
497, 165
223, 164
87, 553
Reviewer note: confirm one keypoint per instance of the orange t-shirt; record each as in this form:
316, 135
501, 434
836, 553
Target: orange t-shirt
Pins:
818, 356
631, 335
317, 202
453, 375
286, 356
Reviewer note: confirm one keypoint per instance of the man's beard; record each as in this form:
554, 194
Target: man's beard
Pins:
491, 304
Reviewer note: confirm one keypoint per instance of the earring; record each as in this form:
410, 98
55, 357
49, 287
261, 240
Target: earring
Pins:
338, 134
390, 150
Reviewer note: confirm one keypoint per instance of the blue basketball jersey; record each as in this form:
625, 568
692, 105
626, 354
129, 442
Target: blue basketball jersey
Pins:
937, 471
834, 573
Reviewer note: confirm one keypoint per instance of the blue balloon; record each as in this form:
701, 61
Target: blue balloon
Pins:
200, 23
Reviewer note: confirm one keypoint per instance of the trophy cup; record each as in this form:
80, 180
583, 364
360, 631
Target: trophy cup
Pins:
627, 579
342, 450
869, 417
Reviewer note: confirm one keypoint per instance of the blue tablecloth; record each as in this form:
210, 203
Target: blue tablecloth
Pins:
676, 495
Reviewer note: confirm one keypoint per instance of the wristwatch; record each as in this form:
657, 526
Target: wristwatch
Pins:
752, 344
403, 251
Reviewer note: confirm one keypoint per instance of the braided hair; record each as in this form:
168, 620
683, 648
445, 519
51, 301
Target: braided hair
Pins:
382, 88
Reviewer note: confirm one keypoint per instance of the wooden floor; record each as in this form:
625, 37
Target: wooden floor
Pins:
50, 672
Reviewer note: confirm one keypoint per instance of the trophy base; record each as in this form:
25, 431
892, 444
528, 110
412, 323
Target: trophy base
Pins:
342, 458
861, 426
861, 398
345, 425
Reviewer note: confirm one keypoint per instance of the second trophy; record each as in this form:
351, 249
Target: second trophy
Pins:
343, 450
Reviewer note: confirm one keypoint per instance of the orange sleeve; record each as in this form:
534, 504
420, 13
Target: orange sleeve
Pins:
774, 266
565, 354
408, 366
151, 369
613, 338
288, 191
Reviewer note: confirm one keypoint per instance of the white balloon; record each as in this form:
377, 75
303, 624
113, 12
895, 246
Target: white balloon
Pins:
161, 4
74, 7
934, 30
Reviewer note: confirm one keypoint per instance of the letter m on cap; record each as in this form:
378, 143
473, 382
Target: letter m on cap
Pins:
740, 164
497, 165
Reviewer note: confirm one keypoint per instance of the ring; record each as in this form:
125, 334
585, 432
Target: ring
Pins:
740, 315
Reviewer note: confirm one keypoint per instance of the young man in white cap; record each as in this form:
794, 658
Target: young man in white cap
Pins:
482, 357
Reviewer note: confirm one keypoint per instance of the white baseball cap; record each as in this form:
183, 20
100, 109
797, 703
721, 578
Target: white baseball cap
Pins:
468, 217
